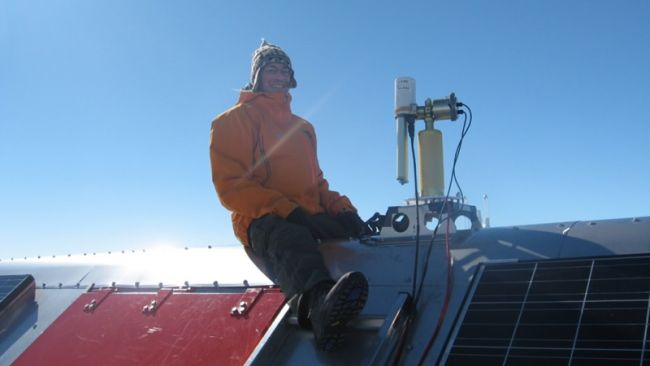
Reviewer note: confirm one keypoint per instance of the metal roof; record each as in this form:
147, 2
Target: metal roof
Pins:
387, 263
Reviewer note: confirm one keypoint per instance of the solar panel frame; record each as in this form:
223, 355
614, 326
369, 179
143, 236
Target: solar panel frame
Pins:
560, 311
11, 286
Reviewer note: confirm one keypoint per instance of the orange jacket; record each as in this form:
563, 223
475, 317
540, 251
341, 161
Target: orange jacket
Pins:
264, 161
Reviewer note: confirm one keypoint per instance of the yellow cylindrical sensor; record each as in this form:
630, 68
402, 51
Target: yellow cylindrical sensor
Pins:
432, 178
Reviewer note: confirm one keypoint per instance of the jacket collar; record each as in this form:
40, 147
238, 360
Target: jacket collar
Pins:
280, 102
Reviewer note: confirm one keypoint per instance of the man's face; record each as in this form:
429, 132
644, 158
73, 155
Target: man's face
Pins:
275, 77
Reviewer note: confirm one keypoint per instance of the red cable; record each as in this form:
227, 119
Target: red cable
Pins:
443, 312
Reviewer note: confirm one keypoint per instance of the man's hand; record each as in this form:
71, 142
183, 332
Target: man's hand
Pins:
353, 224
321, 226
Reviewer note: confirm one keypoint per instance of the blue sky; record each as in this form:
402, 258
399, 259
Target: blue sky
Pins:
105, 109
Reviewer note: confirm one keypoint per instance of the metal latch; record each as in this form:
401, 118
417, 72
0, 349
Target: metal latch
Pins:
154, 304
246, 302
100, 296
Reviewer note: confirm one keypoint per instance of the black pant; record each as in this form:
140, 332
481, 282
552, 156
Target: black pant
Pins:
289, 252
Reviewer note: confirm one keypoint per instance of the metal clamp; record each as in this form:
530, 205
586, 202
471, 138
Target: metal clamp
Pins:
152, 306
246, 302
90, 306
99, 297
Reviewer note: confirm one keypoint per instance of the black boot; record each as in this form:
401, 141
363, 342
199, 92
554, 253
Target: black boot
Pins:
331, 310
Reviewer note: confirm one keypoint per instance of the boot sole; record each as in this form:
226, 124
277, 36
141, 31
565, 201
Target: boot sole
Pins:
350, 298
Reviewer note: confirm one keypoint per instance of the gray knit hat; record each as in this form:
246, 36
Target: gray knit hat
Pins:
267, 53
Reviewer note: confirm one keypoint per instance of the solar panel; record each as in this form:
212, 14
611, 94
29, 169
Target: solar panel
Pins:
590, 311
15, 292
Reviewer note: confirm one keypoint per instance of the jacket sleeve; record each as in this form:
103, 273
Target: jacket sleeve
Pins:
333, 202
231, 157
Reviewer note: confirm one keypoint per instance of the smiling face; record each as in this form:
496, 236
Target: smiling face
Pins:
275, 77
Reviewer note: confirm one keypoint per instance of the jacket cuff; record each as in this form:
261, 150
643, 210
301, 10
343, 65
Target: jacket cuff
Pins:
341, 205
284, 208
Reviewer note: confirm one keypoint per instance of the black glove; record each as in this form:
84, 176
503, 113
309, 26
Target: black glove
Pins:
321, 226
353, 224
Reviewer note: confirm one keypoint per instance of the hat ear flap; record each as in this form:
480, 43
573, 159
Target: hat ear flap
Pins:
255, 82
293, 81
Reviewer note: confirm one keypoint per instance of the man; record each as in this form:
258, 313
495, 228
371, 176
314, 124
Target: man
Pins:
266, 172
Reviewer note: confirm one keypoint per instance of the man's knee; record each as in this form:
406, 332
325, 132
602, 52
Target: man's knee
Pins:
273, 231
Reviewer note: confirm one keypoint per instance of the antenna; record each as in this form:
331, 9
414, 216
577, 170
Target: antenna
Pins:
431, 167
404, 106
486, 207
